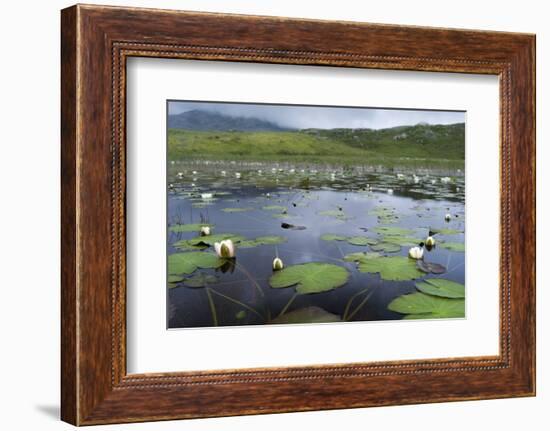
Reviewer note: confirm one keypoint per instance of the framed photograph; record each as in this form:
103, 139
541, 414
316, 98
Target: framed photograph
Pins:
324, 214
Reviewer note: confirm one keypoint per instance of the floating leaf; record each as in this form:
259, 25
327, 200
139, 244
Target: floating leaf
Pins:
392, 230
421, 306
453, 246
262, 240
186, 263
193, 227
340, 215
333, 237
386, 247
361, 256
430, 267
211, 239
200, 280
184, 245
445, 231
237, 209
395, 268
312, 277
274, 208
442, 287
307, 315
402, 240
174, 278
240, 315
362, 240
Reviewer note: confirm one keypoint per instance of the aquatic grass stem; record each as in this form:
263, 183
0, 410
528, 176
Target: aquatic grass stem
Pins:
212, 307
242, 304
250, 277
290, 301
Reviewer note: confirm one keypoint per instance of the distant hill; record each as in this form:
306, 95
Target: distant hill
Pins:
422, 143
198, 119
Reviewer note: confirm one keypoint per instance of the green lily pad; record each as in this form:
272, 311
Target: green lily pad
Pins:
361, 256
307, 315
386, 247
237, 209
421, 306
402, 240
442, 287
333, 237
445, 231
262, 240
192, 227
340, 215
362, 240
381, 211
396, 268
200, 280
184, 245
173, 280
274, 208
311, 277
430, 267
186, 263
453, 246
211, 239
392, 230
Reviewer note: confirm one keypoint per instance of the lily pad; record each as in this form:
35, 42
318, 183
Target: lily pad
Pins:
311, 277
262, 240
396, 268
361, 256
192, 227
421, 306
453, 246
184, 245
211, 239
441, 287
186, 263
392, 230
386, 247
307, 315
445, 231
430, 267
237, 209
362, 240
200, 280
340, 215
402, 240
333, 237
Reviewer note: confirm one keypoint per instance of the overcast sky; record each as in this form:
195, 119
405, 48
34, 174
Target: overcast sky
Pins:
303, 117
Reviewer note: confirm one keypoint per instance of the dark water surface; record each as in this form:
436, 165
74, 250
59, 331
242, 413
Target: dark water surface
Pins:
419, 199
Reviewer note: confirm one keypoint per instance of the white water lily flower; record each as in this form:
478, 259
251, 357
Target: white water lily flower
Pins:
180, 174
238, 174
416, 252
390, 191
225, 249
205, 230
416, 179
277, 264
447, 217
445, 180
400, 176
223, 172
430, 241
194, 172
206, 195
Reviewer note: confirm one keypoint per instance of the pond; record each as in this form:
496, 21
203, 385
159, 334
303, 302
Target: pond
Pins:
343, 235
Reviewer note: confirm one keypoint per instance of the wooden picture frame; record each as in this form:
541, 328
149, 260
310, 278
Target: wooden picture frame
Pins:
96, 41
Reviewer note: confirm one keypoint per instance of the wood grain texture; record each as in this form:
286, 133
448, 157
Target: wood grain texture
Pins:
96, 41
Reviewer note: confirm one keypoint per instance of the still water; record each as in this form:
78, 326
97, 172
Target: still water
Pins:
301, 203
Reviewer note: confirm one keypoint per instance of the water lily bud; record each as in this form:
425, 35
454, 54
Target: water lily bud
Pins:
206, 195
430, 242
447, 217
277, 264
416, 252
225, 249
205, 230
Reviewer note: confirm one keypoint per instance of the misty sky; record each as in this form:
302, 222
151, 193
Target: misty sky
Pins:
303, 117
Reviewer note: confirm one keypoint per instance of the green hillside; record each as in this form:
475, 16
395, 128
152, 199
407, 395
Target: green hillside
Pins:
438, 145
